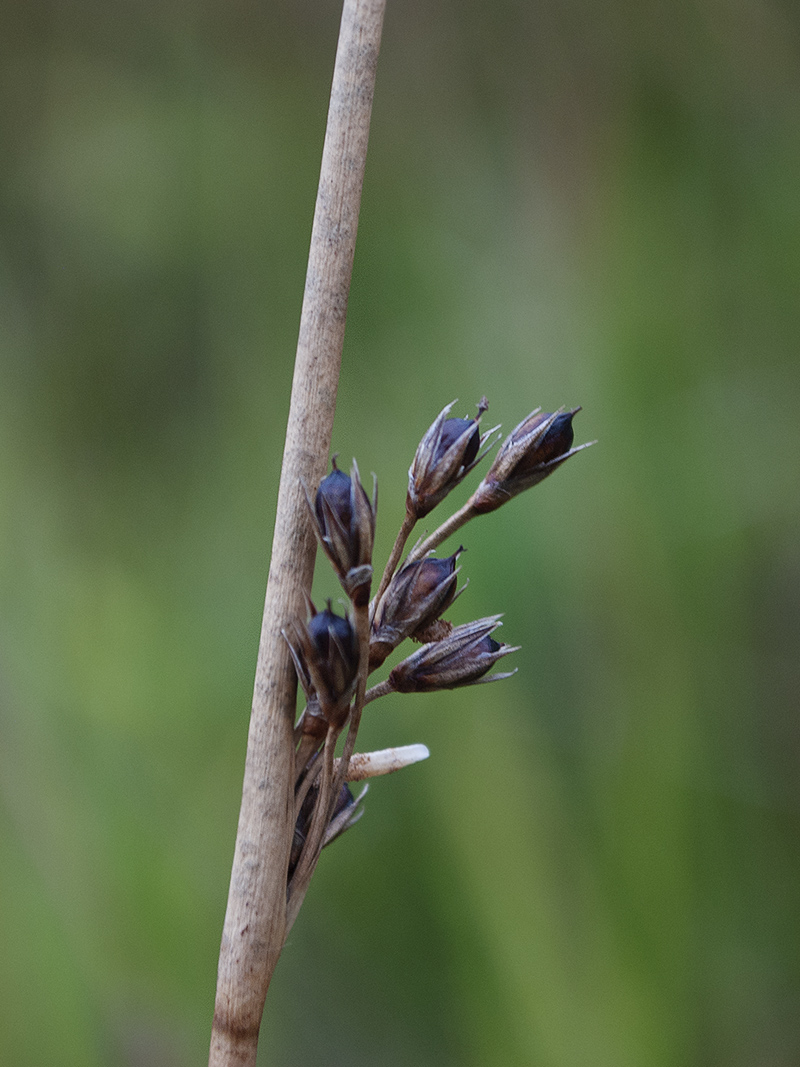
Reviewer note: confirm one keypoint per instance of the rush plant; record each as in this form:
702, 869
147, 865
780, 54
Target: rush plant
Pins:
296, 795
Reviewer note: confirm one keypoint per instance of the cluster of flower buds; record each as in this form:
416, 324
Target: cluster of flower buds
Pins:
417, 597
344, 521
325, 654
446, 454
410, 603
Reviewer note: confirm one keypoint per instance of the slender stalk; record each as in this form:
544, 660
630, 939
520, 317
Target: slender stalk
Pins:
447, 529
361, 614
382, 689
397, 550
303, 786
255, 920
305, 750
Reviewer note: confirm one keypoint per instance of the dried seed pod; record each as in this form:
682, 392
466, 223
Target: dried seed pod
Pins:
325, 654
445, 455
534, 449
417, 595
344, 521
462, 658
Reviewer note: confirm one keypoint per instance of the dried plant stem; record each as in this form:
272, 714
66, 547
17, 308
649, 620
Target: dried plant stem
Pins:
304, 784
255, 920
361, 614
447, 529
382, 689
397, 550
305, 750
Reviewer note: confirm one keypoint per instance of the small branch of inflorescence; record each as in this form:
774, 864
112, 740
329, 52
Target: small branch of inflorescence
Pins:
334, 654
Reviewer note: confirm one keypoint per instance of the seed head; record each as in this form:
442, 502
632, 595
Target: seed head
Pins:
325, 654
540, 444
462, 658
344, 521
445, 455
417, 595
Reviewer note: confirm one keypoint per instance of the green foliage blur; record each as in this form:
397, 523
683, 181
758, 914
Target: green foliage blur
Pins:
565, 203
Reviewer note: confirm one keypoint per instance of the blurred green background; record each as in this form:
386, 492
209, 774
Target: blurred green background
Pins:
565, 203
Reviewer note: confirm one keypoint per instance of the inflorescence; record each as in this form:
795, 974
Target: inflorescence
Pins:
333, 654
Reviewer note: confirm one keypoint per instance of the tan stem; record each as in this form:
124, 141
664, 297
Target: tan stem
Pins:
362, 631
397, 550
382, 689
305, 750
447, 529
255, 920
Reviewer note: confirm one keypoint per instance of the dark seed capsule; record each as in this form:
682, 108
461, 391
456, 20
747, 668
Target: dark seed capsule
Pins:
335, 490
343, 801
464, 657
417, 595
451, 431
325, 654
531, 452
344, 520
327, 630
556, 441
448, 451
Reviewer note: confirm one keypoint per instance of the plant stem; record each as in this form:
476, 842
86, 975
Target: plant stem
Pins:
447, 529
255, 920
382, 689
397, 550
361, 613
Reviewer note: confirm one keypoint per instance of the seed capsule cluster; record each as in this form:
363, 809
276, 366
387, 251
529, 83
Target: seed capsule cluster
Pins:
333, 654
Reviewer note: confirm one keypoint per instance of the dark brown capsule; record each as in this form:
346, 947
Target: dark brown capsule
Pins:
344, 521
462, 658
325, 654
445, 455
532, 451
417, 595
452, 430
